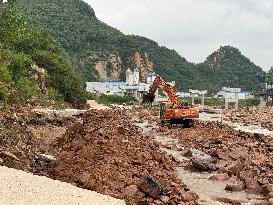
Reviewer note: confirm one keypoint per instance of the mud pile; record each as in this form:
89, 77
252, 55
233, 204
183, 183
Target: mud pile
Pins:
253, 115
151, 114
25, 133
246, 158
17, 144
107, 154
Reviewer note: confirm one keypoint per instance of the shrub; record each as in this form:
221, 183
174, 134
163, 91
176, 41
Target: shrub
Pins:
26, 89
112, 99
4, 92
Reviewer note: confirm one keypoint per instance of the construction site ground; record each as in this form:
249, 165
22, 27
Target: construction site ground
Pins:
126, 154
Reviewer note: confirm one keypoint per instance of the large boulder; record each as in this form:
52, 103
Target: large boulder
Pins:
201, 160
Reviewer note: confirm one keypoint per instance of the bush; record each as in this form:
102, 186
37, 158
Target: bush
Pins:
5, 75
214, 101
4, 92
26, 89
250, 102
112, 99
20, 66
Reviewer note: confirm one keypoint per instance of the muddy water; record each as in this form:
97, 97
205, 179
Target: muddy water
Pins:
208, 191
257, 128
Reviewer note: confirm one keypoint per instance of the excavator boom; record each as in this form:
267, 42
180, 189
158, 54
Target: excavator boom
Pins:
159, 82
171, 112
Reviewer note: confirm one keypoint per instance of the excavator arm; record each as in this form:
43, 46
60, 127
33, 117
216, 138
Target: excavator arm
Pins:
159, 82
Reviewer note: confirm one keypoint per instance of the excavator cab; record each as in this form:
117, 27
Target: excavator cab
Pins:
182, 115
164, 106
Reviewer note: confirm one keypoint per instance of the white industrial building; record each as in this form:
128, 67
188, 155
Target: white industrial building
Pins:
131, 86
135, 76
241, 95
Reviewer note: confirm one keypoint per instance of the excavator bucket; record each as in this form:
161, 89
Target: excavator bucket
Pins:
148, 98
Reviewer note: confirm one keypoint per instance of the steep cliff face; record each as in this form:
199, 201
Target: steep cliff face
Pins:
143, 64
109, 69
113, 67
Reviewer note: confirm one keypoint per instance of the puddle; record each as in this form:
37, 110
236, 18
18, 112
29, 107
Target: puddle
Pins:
208, 191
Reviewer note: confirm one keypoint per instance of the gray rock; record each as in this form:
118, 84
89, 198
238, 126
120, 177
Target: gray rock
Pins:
235, 186
151, 186
204, 164
46, 158
201, 160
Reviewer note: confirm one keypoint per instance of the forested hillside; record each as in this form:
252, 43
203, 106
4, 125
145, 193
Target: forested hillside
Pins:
104, 53
33, 66
228, 67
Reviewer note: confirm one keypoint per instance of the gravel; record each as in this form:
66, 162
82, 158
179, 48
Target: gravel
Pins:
21, 188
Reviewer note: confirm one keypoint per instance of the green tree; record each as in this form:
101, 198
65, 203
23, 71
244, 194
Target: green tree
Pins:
23, 45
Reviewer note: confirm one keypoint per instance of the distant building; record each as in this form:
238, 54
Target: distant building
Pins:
242, 95
245, 95
151, 77
107, 88
136, 76
132, 86
129, 77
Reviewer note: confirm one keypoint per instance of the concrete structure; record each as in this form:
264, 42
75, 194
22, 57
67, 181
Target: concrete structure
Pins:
107, 88
151, 77
129, 77
266, 88
183, 95
197, 93
263, 102
229, 99
243, 95
136, 76
132, 86
119, 88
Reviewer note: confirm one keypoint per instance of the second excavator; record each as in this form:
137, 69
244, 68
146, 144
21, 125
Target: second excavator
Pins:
173, 111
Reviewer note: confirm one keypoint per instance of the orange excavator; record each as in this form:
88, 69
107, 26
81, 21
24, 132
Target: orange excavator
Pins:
173, 111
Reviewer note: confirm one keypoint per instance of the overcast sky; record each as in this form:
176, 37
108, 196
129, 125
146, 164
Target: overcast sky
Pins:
196, 28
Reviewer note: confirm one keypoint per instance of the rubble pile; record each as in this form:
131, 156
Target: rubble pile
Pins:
245, 158
24, 134
253, 115
17, 144
151, 114
107, 154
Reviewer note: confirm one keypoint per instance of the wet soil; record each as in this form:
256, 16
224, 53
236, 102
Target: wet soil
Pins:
209, 192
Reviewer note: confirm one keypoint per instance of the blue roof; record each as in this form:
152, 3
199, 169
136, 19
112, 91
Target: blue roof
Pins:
109, 83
